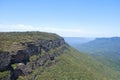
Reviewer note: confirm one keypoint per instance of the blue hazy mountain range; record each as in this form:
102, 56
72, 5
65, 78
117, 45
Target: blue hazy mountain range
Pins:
76, 41
105, 50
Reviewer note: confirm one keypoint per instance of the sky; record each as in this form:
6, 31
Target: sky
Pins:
68, 18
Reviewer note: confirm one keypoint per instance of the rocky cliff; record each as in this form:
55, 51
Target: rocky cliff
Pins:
23, 58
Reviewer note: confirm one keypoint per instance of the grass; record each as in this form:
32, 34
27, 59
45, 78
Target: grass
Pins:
73, 65
34, 57
4, 74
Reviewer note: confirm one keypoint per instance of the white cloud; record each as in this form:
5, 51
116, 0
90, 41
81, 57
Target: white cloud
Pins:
21, 27
73, 32
16, 27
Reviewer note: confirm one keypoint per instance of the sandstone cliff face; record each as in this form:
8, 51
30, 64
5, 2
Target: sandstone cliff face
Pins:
23, 61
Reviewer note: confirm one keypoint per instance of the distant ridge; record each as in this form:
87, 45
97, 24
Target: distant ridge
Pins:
105, 50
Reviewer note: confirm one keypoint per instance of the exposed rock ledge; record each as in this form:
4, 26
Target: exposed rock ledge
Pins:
22, 61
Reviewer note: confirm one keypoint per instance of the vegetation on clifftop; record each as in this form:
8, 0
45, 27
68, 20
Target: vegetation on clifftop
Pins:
9, 38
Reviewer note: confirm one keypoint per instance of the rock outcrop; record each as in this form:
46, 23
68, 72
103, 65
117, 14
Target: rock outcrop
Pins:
34, 54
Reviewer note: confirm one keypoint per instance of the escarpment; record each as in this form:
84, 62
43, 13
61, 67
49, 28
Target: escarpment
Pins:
23, 58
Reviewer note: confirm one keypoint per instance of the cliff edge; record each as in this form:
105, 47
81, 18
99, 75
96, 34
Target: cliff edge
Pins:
22, 53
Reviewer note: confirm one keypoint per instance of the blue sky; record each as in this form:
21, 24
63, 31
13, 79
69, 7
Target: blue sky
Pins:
83, 18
